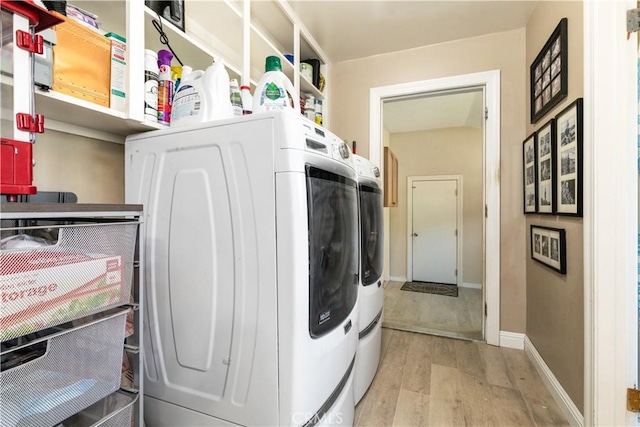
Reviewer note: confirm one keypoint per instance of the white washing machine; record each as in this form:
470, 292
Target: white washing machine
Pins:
251, 274
371, 293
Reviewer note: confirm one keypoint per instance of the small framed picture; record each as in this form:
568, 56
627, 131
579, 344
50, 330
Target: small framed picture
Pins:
545, 168
568, 158
548, 247
529, 167
549, 69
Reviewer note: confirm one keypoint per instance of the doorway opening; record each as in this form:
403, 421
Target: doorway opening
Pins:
427, 102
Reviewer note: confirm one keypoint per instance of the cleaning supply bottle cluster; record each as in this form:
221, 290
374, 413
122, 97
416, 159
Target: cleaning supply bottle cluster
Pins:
179, 95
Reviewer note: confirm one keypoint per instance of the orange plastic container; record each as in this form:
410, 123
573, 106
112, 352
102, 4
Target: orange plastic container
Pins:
81, 62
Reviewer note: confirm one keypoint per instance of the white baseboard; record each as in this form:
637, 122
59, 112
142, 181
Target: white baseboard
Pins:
397, 279
561, 397
471, 285
512, 340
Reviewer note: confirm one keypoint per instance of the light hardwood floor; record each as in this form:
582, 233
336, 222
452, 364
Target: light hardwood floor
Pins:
427, 380
459, 317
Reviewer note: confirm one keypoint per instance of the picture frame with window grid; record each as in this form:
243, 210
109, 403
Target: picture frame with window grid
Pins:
549, 73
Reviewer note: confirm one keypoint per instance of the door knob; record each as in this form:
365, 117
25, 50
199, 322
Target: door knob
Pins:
415, 234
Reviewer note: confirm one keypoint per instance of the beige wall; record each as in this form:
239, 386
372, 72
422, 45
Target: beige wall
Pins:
92, 169
456, 151
351, 82
555, 315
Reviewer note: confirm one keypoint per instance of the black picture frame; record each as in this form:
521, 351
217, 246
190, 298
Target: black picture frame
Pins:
171, 10
529, 175
546, 168
549, 77
569, 160
549, 247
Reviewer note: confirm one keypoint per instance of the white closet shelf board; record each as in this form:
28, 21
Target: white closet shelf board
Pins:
68, 114
111, 15
190, 49
266, 14
65, 113
261, 47
307, 86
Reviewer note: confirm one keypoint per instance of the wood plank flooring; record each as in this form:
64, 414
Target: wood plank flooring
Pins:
459, 317
427, 380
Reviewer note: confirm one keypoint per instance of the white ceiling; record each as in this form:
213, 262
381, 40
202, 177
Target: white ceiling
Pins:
429, 112
352, 29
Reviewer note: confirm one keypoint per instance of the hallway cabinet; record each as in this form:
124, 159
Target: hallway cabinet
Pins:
390, 179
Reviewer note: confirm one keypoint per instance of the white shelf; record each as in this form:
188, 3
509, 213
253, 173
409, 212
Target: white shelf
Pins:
269, 15
261, 47
82, 114
112, 15
308, 87
72, 115
190, 49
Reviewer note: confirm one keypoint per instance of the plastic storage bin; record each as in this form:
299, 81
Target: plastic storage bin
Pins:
87, 270
71, 371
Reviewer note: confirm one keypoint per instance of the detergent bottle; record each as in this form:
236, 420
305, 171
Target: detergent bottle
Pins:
216, 89
236, 97
190, 100
274, 91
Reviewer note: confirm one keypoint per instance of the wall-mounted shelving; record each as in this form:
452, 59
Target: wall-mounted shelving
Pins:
213, 29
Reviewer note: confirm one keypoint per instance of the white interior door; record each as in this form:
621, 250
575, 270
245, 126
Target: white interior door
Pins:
434, 231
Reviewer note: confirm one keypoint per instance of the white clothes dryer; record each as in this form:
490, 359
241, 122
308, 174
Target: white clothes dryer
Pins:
371, 292
251, 275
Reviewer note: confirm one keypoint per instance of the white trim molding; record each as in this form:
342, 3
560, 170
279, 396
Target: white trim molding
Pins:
471, 285
489, 81
512, 340
568, 408
459, 221
397, 279
610, 212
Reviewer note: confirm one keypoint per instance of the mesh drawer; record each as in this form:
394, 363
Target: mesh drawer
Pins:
79, 367
115, 410
88, 269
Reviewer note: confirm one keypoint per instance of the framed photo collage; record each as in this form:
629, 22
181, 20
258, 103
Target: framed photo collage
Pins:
552, 165
552, 155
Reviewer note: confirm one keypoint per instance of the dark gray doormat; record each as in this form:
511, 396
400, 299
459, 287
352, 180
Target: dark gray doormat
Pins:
431, 288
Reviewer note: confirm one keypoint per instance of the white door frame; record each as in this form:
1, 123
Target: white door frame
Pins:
410, 181
610, 212
490, 81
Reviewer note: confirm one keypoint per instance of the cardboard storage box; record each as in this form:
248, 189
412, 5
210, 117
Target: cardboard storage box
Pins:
81, 62
42, 289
